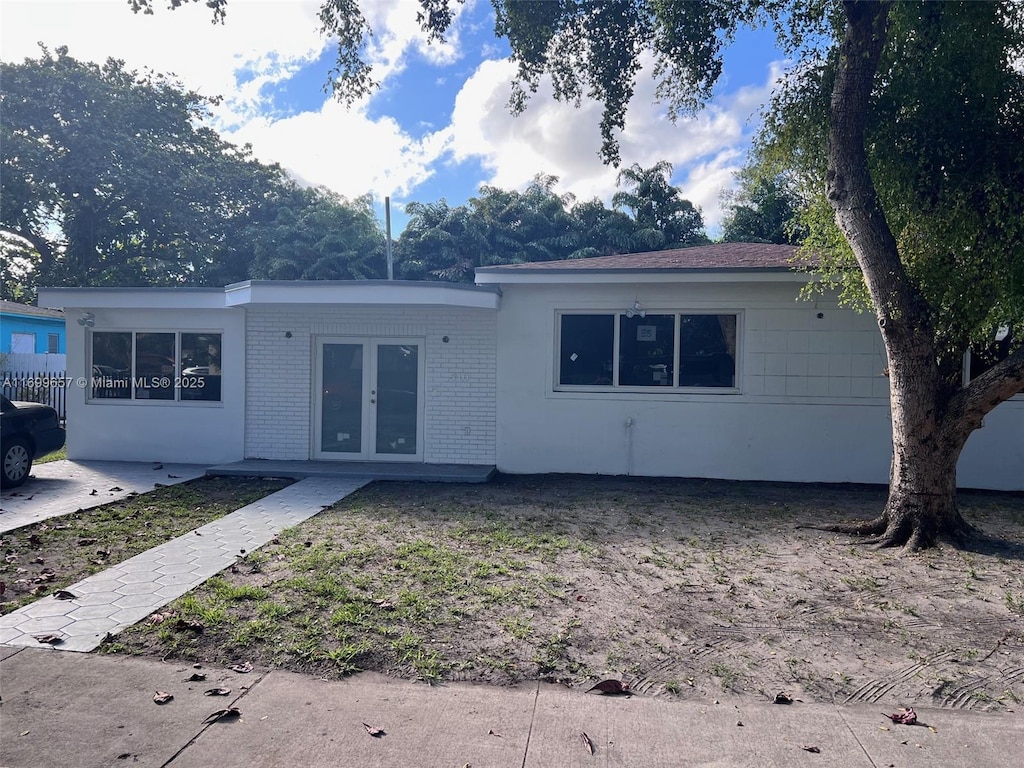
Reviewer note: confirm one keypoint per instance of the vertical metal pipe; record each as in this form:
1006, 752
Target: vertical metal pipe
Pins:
387, 226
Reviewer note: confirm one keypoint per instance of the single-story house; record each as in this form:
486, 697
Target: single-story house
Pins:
702, 362
28, 330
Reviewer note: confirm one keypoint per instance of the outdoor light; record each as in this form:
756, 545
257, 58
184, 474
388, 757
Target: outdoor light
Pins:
88, 319
636, 311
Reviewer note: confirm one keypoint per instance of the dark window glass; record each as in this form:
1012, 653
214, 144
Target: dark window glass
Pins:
586, 350
154, 366
200, 366
646, 348
707, 351
53, 344
111, 365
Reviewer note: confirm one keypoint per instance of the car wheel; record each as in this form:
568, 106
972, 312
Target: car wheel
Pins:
17, 463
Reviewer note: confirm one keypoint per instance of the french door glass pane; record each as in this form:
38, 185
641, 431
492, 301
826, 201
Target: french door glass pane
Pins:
342, 400
396, 398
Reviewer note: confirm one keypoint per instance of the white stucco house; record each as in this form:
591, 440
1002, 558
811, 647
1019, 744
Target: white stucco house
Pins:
701, 362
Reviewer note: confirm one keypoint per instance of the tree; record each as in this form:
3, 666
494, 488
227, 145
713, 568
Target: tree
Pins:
908, 116
765, 209
317, 234
663, 218
110, 178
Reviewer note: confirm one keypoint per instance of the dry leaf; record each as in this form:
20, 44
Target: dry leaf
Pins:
217, 692
782, 698
385, 605
932, 729
811, 748
587, 743
189, 624
50, 639
86, 542
492, 732
196, 677
374, 731
63, 594
241, 668
610, 686
906, 717
228, 713
162, 697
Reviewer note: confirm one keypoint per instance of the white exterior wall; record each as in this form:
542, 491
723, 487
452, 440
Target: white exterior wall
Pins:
149, 430
459, 387
812, 405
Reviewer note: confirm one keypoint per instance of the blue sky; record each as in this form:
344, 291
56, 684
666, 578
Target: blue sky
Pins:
439, 126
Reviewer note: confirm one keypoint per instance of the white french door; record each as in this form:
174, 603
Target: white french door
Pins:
369, 399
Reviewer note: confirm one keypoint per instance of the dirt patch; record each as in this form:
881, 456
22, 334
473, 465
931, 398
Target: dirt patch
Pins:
47, 556
680, 588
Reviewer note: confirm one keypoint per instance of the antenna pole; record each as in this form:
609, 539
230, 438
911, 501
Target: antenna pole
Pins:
387, 226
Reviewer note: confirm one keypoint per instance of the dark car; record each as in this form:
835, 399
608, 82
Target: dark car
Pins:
27, 431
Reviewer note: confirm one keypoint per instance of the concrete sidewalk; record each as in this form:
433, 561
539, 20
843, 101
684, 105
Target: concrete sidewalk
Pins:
65, 710
62, 487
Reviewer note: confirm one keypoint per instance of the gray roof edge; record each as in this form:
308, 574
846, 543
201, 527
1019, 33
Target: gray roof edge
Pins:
343, 283
503, 270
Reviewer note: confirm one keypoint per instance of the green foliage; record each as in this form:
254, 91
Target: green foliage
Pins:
663, 218
765, 209
111, 178
510, 227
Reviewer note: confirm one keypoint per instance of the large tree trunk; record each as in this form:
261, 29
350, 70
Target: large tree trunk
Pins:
926, 436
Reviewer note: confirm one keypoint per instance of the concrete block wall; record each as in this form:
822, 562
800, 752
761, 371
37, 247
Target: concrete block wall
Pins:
460, 375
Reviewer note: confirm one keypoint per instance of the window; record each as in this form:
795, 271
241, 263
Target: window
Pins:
23, 343
167, 366
646, 351
53, 344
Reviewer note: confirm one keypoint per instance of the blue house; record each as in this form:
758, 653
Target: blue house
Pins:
30, 330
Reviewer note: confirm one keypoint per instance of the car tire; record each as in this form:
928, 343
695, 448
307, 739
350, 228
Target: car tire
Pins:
17, 462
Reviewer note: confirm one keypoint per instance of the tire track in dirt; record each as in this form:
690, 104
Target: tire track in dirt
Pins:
874, 690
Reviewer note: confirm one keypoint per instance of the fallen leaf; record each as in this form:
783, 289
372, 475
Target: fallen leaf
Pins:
906, 717
228, 713
25, 733
385, 605
217, 692
86, 542
782, 698
156, 618
174, 477
811, 748
195, 677
932, 729
49, 639
610, 686
92, 492
242, 668
162, 697
581, 598
189, 624
587, 743
492, 732
63, 594
125, 755
157, 466
739, 723
116, 489
374, 731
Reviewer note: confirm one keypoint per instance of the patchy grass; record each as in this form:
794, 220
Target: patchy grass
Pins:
680, 588
49, 555
55, 456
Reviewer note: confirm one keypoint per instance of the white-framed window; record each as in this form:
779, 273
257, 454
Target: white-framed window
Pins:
650, 351
176, 366
23, 343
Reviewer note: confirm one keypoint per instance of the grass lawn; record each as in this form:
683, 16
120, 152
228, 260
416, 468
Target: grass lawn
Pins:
49, 555
56, 456
680, 588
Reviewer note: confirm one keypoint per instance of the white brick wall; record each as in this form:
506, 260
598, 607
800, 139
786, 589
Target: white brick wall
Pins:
460, 376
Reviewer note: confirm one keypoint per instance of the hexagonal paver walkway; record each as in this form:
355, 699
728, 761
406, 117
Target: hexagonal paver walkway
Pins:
118, 597
62, 487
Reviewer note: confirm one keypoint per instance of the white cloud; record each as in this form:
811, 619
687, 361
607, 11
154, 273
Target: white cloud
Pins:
562, 140
345, 150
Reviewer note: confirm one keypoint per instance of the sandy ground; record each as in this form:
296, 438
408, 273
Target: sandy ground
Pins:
694, 588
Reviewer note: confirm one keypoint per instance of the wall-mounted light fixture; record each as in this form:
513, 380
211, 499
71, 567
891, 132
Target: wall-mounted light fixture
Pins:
88, 319
636, 310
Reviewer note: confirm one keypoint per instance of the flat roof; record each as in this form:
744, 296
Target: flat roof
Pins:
270, 292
